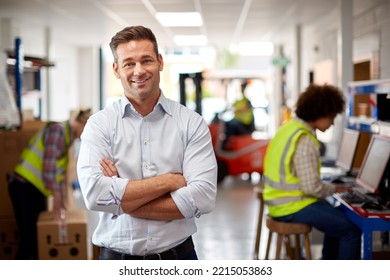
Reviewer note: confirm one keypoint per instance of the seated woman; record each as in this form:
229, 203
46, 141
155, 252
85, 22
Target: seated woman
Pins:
293, 190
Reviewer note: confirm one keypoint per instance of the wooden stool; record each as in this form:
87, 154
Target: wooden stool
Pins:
284, 232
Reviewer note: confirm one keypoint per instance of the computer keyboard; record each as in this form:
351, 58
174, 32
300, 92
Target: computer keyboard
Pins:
355, 197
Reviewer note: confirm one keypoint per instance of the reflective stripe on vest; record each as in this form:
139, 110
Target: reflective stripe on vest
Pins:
282, 185
30, 166
284, 200
282, 191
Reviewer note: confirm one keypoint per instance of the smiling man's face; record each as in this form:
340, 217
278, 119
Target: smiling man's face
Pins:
138, 67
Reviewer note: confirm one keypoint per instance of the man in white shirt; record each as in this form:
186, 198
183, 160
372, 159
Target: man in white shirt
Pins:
146, 163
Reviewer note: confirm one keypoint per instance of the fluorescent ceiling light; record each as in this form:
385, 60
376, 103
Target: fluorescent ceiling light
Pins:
190, 40
179, 19
255, 48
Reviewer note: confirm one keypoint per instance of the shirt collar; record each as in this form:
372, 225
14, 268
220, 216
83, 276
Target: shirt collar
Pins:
162, 102
124, 102
312, 131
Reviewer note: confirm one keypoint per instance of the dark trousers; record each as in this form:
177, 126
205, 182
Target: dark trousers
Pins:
183, 251
27, 202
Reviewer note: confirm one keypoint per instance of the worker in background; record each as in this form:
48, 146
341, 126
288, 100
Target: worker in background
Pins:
293, 190
243, 122
39, 174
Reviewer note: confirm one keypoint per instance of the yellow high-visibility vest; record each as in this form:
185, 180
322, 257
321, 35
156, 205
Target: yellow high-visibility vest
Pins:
243, 111
282, 192
30, 166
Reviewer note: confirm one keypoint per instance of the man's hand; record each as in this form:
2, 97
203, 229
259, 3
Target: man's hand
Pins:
108, 168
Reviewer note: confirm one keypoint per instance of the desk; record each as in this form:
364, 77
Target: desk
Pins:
367, 226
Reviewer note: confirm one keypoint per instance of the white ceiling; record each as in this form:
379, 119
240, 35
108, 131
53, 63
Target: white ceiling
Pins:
94, 22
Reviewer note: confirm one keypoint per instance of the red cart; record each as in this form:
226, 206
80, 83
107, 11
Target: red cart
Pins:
240, 154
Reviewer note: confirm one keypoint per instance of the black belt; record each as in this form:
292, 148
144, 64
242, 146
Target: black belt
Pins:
176, 253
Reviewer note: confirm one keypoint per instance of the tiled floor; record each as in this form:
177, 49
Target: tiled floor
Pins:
229, 231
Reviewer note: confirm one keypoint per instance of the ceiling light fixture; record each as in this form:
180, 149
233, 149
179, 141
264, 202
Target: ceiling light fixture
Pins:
190, 40
179, 19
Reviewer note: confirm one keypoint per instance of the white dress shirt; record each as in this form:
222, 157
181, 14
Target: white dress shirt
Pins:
171, 139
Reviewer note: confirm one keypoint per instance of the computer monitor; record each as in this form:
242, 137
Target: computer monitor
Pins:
374, 163
349, 143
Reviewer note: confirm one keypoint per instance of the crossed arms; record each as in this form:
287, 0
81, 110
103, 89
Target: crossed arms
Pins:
149, 198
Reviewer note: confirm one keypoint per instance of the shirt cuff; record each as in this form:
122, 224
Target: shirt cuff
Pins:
114, 199
186, 204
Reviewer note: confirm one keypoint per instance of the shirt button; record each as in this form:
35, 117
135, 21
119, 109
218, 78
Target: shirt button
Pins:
146, 166
146, 142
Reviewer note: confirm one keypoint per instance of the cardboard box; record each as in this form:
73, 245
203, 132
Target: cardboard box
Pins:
12, 144
9, 239
32, 125
62, 240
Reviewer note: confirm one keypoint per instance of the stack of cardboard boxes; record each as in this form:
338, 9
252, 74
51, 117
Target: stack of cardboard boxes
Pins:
72, 244
12, 144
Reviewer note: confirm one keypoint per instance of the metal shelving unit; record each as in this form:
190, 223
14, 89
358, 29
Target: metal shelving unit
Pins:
375, 105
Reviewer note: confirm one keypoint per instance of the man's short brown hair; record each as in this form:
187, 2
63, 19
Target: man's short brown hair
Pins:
132, 33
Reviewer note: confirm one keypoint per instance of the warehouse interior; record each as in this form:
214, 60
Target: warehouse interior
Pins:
55, 59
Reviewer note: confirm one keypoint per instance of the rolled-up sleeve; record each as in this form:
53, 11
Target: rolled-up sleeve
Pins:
194, 203
100, 193
200, 171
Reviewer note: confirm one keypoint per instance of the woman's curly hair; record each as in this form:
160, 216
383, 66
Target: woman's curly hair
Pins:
320, 101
